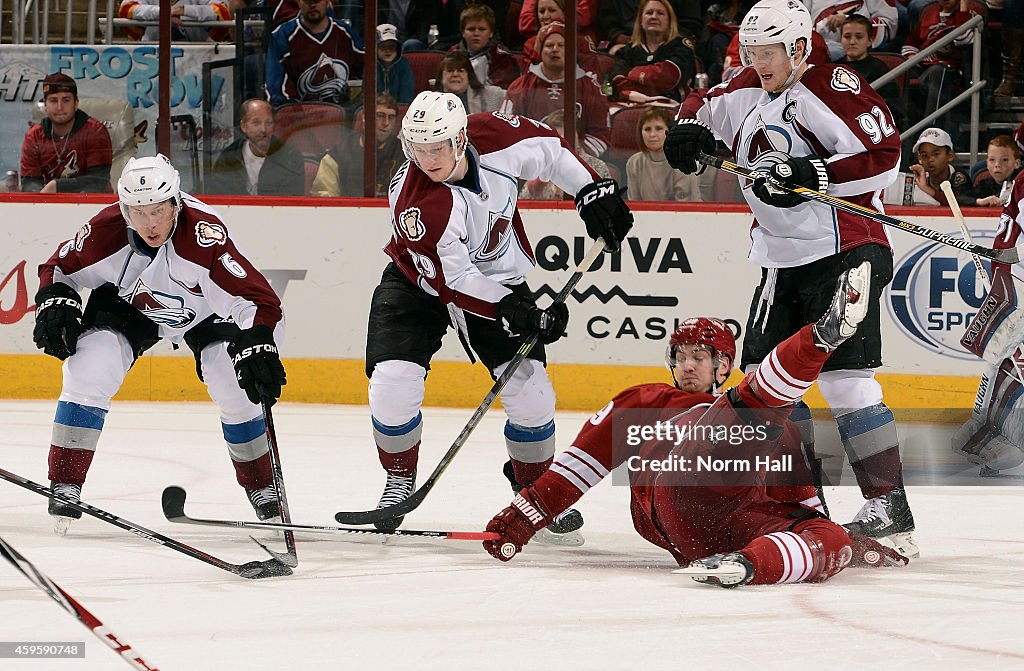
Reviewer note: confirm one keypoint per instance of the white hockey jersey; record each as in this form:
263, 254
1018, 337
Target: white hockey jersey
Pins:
463, 244
197, 273
831, 113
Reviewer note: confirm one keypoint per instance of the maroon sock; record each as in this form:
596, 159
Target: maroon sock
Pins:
255, 474
526, 473
400, 463
69, 465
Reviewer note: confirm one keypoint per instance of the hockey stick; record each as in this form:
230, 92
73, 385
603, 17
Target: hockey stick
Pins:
954, 206
1002, 255
68, 603
174, 510
414, 500
291, 557
267, 568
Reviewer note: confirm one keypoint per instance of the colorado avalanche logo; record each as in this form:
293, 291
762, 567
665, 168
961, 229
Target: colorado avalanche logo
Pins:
451, 105
209, 234
500, 233
844, 80
767, 146
325, 81
410, 224
165, 309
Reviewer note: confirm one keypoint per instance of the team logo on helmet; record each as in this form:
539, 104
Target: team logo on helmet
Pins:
209, 234
78, 242
844, 80
411, 225
451, 105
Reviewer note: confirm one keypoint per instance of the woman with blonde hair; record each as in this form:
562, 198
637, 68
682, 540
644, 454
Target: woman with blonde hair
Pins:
658, 61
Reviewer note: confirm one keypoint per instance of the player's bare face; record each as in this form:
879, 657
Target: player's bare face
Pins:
60, 108
772, 64
695, 369
153, 222
436, 159
548, 11
1001, 162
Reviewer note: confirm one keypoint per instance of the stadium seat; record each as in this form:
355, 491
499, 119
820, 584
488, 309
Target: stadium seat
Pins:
893, 61
424, 67
312, 128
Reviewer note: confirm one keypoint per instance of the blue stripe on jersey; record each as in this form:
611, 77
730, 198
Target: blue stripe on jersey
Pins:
864, 420
398, 430
83, 416
238, 434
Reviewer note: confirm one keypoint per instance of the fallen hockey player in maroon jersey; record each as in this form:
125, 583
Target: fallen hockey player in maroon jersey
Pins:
731, 529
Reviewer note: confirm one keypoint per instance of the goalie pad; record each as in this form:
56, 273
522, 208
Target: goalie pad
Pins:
998, 327
994, 434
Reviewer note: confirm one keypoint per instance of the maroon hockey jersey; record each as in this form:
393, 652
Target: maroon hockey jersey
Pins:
80, 161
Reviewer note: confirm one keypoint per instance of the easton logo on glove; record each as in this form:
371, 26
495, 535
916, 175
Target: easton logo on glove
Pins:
254, 349
51, 302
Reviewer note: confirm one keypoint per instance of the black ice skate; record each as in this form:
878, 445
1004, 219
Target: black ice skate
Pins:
888, 520
564, 530
725, 570
64, 515
849, 307
265, 502
397, 489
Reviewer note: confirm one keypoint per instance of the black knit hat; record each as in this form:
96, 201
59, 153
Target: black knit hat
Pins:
58, 82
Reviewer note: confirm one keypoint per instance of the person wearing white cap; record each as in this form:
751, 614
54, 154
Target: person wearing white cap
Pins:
934, 150
394, 73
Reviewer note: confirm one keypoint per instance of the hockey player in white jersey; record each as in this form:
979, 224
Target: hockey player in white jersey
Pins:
159, 264
459, 256
825, 128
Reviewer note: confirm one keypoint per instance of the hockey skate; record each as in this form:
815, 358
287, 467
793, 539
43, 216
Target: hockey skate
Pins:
849, 307
725, 570
888, 520
397, 489
265, 502
564, 530
64, 515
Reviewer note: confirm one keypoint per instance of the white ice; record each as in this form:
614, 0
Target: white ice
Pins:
358, 603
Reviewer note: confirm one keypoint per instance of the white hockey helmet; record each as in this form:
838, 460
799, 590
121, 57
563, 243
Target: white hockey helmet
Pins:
435, 117
776, 22
146, 181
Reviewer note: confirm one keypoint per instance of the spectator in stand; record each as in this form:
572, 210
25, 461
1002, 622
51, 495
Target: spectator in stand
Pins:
620, 16
312, 57
68, 151
649, 176
536, 189
539, 92
934, 150
993, 184
341, 169
657, 63
189, 10
944, 69
536, 14
455, 74
394, 74
856, 41
258, 163
493, 63
723, 21
830, 15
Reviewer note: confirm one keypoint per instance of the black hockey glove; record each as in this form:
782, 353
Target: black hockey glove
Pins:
58, 320
685, 143
521, 315
257, 364
605, 212
809, 172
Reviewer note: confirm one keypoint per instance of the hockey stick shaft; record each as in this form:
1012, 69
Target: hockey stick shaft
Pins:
72, 606
954, 206
174, 511
411, 503
253, 569
1002, 255
291, 557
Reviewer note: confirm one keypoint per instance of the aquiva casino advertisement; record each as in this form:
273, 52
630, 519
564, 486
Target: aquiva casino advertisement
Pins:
119, 83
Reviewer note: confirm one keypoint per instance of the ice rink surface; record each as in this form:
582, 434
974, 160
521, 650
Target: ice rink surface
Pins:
410, 604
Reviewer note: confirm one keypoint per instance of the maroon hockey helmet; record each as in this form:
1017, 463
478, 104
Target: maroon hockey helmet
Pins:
710, 332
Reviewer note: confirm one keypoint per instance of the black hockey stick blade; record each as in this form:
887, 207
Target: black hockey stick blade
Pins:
174, 510
291, 556
1009, 256
267, 568
408, 505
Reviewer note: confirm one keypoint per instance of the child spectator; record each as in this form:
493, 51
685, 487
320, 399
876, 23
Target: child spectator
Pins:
856, 41
657, 62
394, 74
537, 189
934, 149
649, 176
1002, 164
493, 63
829, 16
455, 75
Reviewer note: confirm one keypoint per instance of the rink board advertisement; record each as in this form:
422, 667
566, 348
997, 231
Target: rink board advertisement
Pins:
325, 261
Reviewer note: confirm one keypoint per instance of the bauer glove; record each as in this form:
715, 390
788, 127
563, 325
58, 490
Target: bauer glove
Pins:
809, 172
257, 364
58, 320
